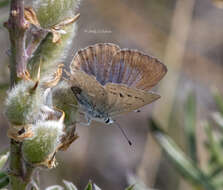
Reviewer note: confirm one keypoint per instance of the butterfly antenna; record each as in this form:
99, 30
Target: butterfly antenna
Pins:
123, 132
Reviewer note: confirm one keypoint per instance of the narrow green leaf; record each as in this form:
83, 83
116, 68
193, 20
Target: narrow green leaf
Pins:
215, 172
190, 125
182, 163
54, 187
218, 119
218, 100
89, 186
4, 180
214, 146
131, 187
3, 158
69, 185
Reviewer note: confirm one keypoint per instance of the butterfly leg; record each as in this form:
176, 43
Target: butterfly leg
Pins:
88, 119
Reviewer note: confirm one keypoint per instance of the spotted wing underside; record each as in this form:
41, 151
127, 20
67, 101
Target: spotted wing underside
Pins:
122, 99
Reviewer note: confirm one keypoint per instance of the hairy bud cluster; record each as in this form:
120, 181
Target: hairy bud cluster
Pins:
37, 125
32, 106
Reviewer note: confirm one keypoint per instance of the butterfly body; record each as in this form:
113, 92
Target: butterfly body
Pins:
108, 81
91, 112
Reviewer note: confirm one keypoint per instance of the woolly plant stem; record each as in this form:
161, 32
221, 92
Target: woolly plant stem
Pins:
19, 173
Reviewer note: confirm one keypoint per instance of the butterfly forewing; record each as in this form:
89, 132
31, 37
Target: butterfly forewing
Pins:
122, 99
95, 60
135, 69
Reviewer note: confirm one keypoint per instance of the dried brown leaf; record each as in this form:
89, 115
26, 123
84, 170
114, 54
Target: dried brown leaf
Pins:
20, 132
55, 77
30, 16
66, 22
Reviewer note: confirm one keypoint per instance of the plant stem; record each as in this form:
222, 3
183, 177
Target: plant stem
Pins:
17, 26
19, 172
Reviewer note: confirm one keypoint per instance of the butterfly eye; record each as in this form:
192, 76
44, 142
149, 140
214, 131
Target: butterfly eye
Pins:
107, 120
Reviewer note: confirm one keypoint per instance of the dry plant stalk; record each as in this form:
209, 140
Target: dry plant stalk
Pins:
173, 58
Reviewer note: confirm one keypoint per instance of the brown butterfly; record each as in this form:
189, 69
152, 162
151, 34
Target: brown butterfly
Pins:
108, 81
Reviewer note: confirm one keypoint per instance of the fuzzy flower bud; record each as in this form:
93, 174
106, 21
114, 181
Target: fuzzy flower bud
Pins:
23, 103
40, 149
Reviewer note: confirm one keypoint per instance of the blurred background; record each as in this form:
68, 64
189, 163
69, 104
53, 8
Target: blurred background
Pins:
187, 36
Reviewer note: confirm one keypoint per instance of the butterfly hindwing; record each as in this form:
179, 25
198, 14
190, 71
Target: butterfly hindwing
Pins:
122, 99
135, 69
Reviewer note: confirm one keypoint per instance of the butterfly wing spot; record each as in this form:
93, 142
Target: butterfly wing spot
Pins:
139, 98
76, 90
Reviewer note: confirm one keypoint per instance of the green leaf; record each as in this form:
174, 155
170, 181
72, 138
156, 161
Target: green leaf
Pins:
4, 180
3, 158
131, 187
218, 100
89, 186
218, 119
190, 125
54, 187
184, 165
69, 185
215, 150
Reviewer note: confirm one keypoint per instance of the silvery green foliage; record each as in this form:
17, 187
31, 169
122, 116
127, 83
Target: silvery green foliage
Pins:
3, 158
55, 187
95, 187
92, 186
69, 185
44, 143
23, 103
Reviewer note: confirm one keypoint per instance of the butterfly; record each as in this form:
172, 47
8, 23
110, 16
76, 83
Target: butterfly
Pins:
108, 81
